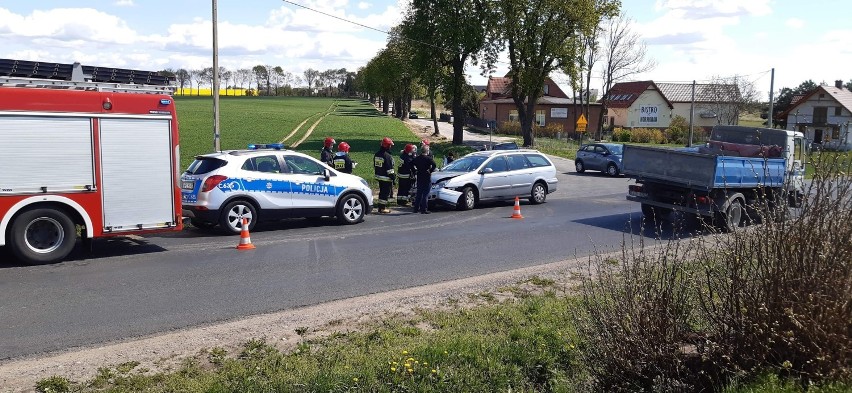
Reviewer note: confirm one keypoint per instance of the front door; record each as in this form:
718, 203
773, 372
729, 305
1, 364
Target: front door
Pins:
817, 136
496, 183
310, 189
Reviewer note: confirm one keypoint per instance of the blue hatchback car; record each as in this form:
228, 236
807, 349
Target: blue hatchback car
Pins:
605, 157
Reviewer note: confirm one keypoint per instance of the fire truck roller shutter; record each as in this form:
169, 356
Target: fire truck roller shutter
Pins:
136, 160
45, 154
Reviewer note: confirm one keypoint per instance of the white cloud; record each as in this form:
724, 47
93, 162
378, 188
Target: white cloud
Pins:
701, 9
68, 25
124, 3
795, 23
363, 5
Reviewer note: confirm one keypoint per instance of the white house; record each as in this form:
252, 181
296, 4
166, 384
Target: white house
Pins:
654, 105
823, 115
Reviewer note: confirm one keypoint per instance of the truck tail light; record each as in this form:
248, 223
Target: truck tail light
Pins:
637, 188
211, 182
702, 200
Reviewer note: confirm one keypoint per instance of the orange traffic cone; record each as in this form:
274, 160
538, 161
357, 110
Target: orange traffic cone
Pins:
245, 239
517, 212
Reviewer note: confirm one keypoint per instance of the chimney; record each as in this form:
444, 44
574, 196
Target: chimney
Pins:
838, 84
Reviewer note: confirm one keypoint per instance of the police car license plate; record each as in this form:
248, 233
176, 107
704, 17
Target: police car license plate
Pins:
187, 184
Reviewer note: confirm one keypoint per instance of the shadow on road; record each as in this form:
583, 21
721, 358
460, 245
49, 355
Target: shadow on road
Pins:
677, 227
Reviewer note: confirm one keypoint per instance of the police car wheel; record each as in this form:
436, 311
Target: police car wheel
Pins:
231, 219
351, 209
42, 236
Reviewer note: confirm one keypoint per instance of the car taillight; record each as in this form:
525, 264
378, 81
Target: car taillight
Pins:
636, 188
702, 200
211, 182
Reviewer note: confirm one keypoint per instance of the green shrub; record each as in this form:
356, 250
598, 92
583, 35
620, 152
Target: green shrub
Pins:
548, 131
510, 127
647, 135
621, 135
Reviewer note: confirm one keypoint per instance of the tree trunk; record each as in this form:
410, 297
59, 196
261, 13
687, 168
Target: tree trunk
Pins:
458, 111
385, 105
432, 112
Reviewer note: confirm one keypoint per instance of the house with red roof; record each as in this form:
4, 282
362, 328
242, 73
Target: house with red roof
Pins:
553, 107
823, 115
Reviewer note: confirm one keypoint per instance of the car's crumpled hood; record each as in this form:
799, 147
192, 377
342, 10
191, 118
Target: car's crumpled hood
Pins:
444, 175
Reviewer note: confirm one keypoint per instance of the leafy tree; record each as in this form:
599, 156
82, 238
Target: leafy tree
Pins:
459, 28
542, 36
848, 85
311, 75
198, 77
183, 78
261, 75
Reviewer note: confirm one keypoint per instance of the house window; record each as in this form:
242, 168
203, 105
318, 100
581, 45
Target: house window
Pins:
546, 89
513, 115
821, 115
838, 110
539, 118
835, 133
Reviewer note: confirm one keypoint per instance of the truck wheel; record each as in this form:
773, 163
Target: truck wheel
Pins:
232, 215
467, 200
732, 217
612, 170
538, 194
42, 236
579, 167
351, 209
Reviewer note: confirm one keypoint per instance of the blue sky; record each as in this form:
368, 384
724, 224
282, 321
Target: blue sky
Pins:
688, 39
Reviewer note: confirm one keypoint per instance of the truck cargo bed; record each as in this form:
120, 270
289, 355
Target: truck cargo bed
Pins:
701, 171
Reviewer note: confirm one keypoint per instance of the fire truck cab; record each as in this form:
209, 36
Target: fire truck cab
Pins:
85, 152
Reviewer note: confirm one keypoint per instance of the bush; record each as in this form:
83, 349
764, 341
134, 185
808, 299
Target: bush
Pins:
693, 314
647, 135
621, 135
510, 127
548, 131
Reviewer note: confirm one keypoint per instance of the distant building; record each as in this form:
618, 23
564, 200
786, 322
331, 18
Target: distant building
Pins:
553, 107
823, 115
648, 104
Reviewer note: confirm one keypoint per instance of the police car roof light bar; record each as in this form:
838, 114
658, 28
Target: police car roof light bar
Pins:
258, 146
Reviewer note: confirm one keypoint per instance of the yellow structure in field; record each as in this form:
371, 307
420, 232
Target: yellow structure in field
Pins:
209, 92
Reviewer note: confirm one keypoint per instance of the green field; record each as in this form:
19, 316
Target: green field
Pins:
245, 120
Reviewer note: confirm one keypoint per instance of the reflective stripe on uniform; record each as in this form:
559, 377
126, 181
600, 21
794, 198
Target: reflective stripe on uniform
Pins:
403, 176
382, 178
381, 201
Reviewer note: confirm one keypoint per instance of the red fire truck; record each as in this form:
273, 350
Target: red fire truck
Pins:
85, 152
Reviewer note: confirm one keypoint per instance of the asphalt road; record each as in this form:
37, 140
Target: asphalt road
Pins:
138, 286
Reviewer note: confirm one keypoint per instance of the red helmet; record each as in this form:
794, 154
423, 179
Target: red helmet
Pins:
409, 148
387, 142
343, 146
425, 142
328, 142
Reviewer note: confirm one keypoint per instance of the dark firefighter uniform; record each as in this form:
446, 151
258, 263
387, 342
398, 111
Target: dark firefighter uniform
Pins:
385, 174
406, 176
342, 162
326, 156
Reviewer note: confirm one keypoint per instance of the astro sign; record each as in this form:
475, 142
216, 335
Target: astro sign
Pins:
648, 114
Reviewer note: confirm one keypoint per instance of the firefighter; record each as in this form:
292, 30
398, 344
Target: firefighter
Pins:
406, 174
385, 174
327, 154
341, 160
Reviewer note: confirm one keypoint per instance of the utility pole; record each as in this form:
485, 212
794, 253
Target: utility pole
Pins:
772, 99
691, 114
216, 144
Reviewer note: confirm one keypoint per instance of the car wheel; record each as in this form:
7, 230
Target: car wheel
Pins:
538, 194
42, 236
579, 167
612, 170
467, 200
351, 209
232, 215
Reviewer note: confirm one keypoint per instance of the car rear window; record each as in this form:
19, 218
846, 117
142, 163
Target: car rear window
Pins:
203, 165
537, 160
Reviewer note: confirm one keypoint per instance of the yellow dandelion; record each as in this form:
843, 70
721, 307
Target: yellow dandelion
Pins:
445, 352
407, 365
410, 370
416, 362
405, 352
409, 360
355, 379
434, 371
395, 363
425, 363
393, 369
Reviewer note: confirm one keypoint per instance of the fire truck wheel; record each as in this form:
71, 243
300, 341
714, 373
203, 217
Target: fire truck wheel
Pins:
231, 219
42, 236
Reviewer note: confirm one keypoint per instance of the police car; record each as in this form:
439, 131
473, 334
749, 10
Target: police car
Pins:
268, 182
